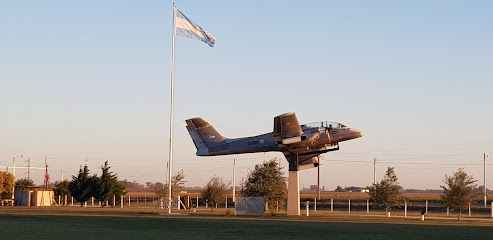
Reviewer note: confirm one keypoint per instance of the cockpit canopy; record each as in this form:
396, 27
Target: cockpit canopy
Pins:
323, 124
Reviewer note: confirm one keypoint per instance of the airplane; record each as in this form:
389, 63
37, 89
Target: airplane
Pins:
300, 144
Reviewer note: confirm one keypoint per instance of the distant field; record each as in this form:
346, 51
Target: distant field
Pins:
92, 227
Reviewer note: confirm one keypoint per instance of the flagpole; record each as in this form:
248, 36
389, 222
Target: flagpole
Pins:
170, 157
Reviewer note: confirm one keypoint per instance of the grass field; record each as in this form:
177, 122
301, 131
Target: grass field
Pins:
31, 223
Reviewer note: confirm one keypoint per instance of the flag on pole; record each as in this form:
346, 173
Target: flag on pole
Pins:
186, 28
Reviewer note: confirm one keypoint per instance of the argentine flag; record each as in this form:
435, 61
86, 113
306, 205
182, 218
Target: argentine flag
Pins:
186, 28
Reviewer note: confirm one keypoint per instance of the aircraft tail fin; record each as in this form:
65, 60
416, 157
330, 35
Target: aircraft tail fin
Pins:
203, 135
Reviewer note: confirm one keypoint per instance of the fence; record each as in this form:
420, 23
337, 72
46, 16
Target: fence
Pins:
357, 205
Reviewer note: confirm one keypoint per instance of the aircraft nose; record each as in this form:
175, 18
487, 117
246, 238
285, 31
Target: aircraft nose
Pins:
358, 133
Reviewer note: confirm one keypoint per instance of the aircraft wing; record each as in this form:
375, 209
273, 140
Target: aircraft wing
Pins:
287, 129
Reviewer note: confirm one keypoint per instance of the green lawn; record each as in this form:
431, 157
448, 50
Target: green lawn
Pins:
91, 227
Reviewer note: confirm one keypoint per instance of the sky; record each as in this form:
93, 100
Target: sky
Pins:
89, 81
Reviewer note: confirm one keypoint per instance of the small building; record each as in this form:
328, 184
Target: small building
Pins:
38, 197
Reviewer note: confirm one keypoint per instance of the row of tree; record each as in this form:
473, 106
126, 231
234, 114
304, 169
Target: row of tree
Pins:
459, 190
83, 186
266, 180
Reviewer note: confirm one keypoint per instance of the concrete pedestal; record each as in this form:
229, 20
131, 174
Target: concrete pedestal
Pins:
293, 194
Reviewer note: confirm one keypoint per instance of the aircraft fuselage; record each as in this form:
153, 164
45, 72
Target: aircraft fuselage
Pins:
316, 140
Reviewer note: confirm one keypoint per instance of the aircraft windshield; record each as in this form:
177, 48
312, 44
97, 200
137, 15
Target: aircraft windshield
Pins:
325, 124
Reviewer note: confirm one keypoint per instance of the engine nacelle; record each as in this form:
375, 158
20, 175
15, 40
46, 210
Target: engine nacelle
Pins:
308, 163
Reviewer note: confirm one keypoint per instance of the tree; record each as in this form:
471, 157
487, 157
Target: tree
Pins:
80, 186
6, 184
459, 191
386, 193
339, 189
106, 186
24, 183
161, 189
213, 191
266, 180
61, 188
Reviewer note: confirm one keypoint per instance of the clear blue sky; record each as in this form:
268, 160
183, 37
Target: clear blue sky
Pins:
90, 80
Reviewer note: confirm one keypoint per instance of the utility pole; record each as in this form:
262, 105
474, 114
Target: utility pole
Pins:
167, 178
234, 180
318, 180
29, 168
47, 177
13, 175
61, 171
375, 170
484, 172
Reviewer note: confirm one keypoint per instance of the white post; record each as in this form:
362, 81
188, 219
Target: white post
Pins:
72, 201
170, 157
349, 206
405, 209
178, 198
85, 204
315, 205
266, 206
122, 200
367, 205
66, 200
226, 206
307, 208
92, 201
59, 200
114, 200
331, 205
129, 200
426, 210
448, 211
492, 209
197, 201
277, 206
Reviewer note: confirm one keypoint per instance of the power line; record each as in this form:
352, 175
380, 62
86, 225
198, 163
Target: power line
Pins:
425, 147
